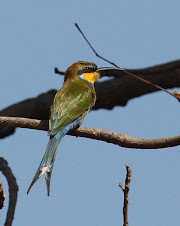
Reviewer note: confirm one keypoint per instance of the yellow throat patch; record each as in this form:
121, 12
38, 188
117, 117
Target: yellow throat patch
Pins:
92, 77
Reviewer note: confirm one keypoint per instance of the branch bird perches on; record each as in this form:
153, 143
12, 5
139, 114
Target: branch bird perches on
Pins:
97, 134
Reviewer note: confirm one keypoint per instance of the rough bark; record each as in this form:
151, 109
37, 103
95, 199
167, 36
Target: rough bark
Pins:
96, 134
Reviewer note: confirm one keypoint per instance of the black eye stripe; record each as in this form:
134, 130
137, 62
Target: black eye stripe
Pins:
88, 69
80, 72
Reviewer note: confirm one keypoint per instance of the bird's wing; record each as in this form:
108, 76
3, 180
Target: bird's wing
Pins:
72, 102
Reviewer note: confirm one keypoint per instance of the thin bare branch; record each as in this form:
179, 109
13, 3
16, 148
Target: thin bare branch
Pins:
127, 72
97, 134
126, 194
13, 190
94, 49
2, 195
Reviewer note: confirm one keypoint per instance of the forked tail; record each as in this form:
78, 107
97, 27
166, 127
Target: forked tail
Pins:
46, 165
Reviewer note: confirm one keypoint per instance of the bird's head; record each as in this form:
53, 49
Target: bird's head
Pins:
85, 70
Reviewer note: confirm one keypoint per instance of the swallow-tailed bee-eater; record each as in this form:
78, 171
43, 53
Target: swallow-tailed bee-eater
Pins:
69, 108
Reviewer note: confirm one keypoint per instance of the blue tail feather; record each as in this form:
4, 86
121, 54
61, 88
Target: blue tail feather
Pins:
46, 165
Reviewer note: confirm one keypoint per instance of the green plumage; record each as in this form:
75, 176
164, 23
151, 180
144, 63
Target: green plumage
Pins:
75, 98
70, 106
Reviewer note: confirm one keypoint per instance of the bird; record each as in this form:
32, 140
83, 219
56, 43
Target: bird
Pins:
70, 106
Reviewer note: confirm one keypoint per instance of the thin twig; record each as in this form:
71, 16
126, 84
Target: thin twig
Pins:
94, 49
126, 194
129, 73
13, 190
96, 134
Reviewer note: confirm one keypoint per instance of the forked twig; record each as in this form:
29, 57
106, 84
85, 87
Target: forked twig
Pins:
127, 72
126, 194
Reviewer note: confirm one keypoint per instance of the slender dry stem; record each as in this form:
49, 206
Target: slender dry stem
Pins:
126, 194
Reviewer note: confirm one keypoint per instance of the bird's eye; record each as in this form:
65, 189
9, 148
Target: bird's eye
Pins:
87, 69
